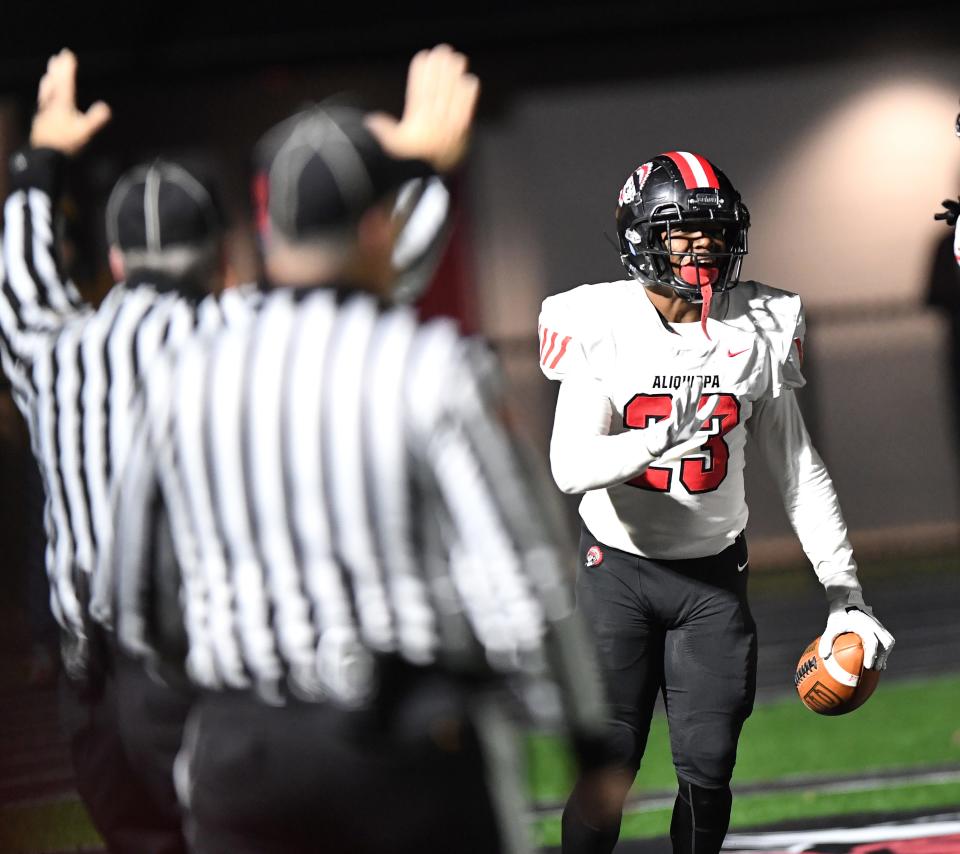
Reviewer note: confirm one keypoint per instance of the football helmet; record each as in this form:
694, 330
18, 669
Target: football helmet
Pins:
681, 191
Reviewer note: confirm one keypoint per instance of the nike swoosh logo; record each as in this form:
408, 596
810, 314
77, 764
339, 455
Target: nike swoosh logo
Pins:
731, 354
742, 568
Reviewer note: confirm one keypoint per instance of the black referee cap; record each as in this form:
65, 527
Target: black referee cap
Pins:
160, 205
320, 170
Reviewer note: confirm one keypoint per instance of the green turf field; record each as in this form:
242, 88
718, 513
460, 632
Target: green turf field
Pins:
60, 825
906, 725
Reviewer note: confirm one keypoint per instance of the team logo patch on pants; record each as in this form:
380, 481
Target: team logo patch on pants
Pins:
594, 556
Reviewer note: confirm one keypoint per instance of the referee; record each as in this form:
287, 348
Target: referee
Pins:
326, 528
75, 371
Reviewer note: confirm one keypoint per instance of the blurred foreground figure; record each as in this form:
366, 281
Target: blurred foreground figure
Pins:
327, 530
75, 371
943, 293
662, 376
952, 211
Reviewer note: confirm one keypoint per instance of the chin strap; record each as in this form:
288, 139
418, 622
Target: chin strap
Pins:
702, 277
706, 293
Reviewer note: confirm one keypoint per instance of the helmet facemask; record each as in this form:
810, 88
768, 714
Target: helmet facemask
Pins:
649, 256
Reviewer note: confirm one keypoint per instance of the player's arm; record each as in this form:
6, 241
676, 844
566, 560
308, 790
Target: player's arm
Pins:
435, 128
950, 214
813, 508
36, 296
584, 454
423, 216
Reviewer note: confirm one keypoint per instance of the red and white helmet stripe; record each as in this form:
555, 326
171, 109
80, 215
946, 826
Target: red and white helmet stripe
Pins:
696, 170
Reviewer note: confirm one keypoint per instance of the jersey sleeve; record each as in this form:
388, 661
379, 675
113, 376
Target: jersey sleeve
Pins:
502, 517
36, 297
570, 334
808, 493
791, 366
424, 207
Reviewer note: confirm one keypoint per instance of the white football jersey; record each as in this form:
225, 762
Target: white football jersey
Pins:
611, 334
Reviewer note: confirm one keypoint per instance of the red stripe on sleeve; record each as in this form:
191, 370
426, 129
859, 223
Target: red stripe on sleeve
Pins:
543, 339
563, 349
553, 340
799, 344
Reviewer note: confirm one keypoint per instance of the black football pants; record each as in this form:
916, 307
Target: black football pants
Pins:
124, 732
681, 628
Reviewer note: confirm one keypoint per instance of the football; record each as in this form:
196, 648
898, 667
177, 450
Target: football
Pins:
838, 685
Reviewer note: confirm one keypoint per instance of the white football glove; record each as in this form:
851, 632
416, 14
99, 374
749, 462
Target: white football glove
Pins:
677, 434
852, 615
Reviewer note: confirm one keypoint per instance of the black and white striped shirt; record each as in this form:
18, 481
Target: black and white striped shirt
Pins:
338, 485
75, 371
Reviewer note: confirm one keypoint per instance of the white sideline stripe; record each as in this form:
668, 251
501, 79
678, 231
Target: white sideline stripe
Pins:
867, 784
800, 840
934, 778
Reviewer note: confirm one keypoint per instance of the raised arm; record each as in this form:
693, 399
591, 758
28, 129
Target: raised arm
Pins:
438, 111
36, 296
435, 127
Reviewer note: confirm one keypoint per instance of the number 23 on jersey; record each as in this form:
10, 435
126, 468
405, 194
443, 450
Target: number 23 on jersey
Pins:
701, 471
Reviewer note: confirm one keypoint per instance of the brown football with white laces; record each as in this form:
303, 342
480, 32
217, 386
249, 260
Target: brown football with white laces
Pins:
836, 685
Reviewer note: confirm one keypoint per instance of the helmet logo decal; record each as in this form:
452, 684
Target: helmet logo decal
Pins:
696, 170
635, 183
594, 556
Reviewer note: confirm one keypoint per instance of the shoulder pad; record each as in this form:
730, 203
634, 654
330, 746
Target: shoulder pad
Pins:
572, 327
778, 317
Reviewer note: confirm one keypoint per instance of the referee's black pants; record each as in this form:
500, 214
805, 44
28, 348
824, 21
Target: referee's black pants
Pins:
311, 777
124, 730
682, 629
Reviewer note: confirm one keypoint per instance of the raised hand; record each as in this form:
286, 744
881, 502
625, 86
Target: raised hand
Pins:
58, 124
678, 431
438, 111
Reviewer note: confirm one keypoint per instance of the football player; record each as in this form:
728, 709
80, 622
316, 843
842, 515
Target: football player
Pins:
662, 376
952, 212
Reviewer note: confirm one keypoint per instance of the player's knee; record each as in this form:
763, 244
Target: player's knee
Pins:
712, 802
625, 746
706, 758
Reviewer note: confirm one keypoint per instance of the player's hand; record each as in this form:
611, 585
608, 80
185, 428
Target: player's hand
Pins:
675, 436
438, 111
877, 641
952, 212
58, 123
